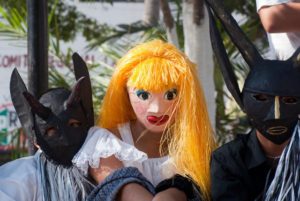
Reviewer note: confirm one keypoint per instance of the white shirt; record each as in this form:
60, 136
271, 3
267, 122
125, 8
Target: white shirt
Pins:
282, 45
20, 180
100, 143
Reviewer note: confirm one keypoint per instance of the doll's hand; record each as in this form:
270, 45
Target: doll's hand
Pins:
181, 184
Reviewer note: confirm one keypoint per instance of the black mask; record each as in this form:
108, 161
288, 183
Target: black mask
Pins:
266, 80
60, 118
62, 127
275, 123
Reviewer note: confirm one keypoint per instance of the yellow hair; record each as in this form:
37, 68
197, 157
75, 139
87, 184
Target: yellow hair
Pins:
158, 66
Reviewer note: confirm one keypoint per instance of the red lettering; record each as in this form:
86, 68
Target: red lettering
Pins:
5, 61
15, 60
22, 61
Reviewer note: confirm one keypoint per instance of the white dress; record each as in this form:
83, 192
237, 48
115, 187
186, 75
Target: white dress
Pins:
101, 143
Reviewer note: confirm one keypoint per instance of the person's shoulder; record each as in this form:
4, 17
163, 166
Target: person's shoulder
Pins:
232, 150
234, 145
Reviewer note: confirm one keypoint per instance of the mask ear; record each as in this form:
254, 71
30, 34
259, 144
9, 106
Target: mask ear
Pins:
223, 59
81, 70
75, 95
238, 37
36, 107
23, 109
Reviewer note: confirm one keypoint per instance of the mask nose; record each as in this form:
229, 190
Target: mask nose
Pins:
277, 108
274, 112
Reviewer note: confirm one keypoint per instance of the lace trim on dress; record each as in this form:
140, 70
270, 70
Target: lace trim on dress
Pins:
100, 143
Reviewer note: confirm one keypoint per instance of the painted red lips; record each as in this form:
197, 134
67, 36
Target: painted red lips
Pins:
158, 120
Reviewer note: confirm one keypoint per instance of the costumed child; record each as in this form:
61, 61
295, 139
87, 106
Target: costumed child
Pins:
153, 118
264, 164
59, 122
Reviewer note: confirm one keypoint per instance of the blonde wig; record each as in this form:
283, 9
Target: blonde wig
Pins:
158, 66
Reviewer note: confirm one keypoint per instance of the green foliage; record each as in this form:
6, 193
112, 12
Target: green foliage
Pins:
67, 22
64, 21
16, 147
15, 26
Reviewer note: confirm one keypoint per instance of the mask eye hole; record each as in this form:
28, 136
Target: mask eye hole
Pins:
289, 100
51, 131
261, 97
74, 123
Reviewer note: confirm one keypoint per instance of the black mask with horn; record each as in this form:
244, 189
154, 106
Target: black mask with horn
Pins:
61, 118
270, 96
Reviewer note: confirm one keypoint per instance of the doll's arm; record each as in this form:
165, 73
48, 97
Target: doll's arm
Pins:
108, 165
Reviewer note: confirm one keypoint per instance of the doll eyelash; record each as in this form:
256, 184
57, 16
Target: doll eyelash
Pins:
143, 95
139, 92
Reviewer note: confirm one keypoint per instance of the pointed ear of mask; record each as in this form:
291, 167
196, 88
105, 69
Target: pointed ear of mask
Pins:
81, 70
238, 37
23, 109
36, 107
223, 60
75, 96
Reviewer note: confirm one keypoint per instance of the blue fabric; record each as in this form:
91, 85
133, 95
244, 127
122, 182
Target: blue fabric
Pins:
109, 188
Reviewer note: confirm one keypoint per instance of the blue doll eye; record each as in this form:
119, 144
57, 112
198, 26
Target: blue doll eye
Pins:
171, 94
143, 95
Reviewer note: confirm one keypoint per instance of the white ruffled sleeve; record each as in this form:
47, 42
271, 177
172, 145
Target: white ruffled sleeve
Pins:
101, 143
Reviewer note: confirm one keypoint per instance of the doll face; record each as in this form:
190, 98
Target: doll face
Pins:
154, 110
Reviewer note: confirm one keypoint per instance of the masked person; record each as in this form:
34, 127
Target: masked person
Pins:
59, 121
245, 167
153, 119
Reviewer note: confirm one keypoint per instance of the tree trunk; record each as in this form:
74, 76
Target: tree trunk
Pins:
37, 51
169, 23
198, 48
151, 14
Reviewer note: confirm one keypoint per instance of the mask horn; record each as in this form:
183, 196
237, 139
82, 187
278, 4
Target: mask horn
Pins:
75, 95
81, 70
23, 109
36, 107
223, 60
238, 37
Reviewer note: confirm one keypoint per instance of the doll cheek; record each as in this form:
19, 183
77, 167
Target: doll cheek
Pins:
139, 108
